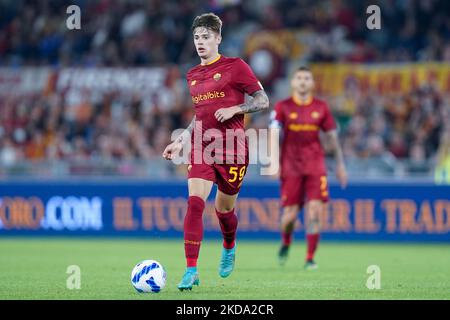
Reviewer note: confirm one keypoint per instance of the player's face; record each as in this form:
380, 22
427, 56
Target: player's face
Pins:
206, 42
302, 82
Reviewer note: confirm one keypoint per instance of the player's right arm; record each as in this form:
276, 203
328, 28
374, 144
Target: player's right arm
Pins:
175, 147
341, 172
329, 126
275, 129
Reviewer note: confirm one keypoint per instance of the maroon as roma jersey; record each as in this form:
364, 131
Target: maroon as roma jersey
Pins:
301, 151
222, 83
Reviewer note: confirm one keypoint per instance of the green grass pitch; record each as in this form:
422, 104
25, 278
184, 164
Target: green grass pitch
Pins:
35, 268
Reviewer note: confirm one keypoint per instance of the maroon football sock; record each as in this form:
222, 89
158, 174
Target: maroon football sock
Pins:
228, 224
193, 229
312, 240
286, 238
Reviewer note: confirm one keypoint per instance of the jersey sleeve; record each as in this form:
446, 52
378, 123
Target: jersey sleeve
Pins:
328, 122
244, 78
276, 117
189, 76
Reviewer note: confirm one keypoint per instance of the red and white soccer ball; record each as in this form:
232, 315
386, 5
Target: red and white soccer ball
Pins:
148, 276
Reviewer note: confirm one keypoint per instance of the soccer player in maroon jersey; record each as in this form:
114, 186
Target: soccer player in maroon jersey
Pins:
217, 86
303, 172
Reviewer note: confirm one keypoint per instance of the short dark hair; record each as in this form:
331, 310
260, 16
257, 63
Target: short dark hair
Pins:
303, 68
209, 21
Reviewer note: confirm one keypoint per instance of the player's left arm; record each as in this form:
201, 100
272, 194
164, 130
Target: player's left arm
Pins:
341, 172
259, 101
244, 80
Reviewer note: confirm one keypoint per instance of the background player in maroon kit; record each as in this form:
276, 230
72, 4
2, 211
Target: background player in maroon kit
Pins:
218, 86
303, 172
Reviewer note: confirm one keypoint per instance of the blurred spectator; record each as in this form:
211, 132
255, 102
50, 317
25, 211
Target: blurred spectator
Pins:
442, 170
397, 146
8, 153
417, 159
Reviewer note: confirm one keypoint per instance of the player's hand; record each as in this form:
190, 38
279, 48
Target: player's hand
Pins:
223, 114
172, 150
341, 175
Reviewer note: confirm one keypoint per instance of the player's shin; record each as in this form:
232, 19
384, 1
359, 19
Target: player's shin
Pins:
228, 224
193, 230
287, 224
286, 234
312, 240
288, 219
312, 231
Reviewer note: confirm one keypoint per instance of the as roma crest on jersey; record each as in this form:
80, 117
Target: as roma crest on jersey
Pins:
315, 115
217, 76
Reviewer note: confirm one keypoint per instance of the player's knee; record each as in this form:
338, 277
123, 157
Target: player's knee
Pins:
224, 208
313, 213
290, 213
313, 227
198, 194
196, 205
314, 208
313, 223
313, 216
225, 203
292, 210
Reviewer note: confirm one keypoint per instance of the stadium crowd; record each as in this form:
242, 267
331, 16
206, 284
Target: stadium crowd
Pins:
404, 126
117, 33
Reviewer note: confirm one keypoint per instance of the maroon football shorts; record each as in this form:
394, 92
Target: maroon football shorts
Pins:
228, 177
296, 190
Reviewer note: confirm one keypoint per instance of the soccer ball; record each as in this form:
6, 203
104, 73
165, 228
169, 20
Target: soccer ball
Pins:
148, 276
